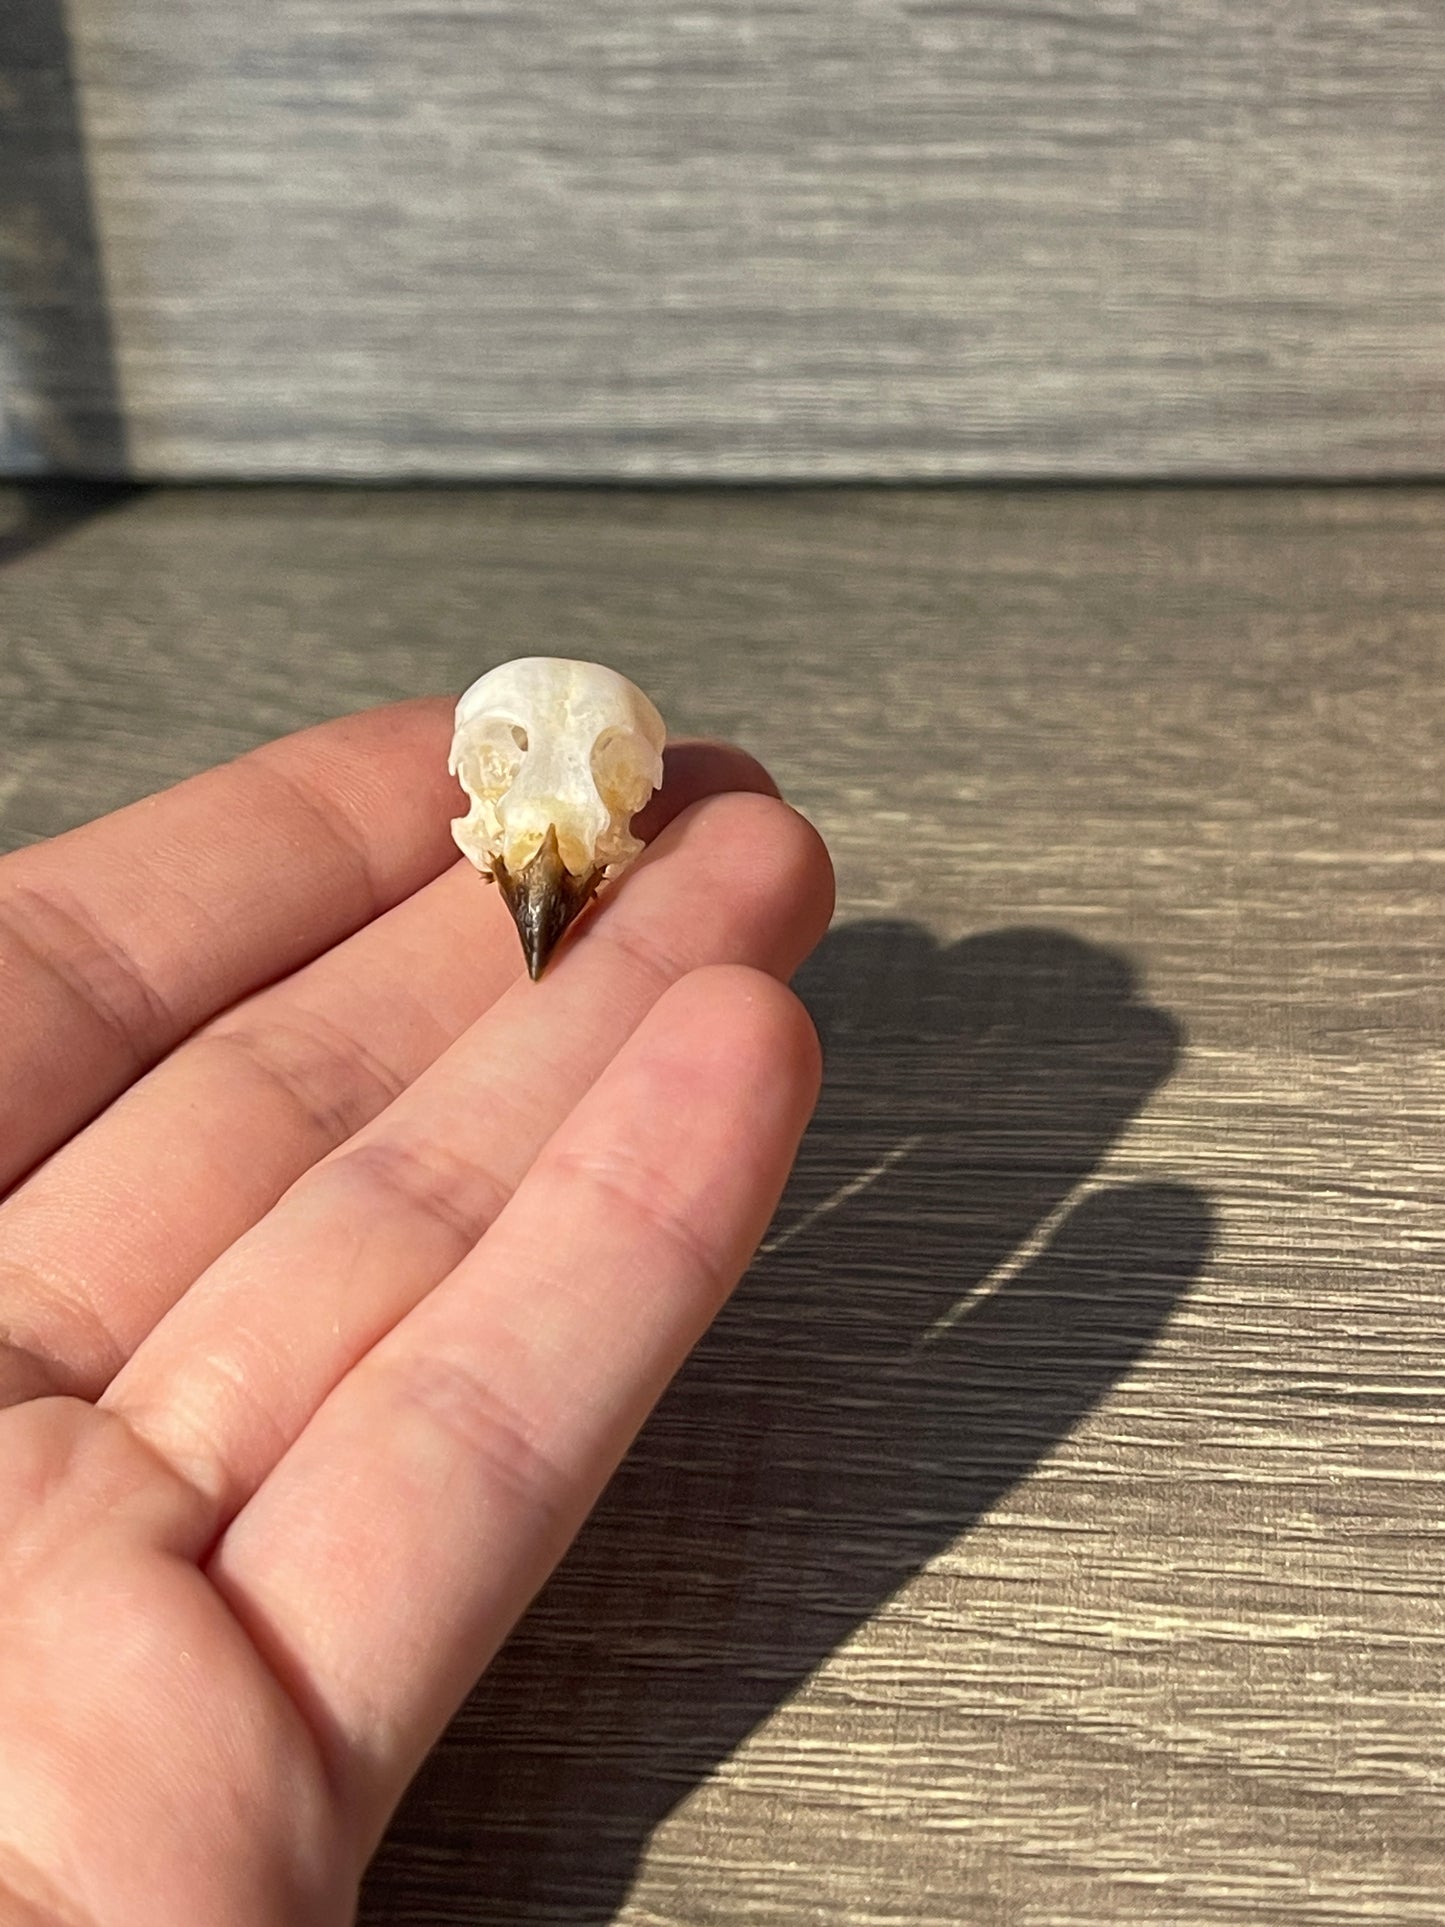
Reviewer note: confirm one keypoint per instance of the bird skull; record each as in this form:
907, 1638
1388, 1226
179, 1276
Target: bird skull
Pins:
556, 757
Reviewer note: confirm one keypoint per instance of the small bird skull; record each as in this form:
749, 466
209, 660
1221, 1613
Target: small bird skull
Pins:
556, 757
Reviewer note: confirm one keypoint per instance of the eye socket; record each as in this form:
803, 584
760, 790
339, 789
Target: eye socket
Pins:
490, 763
622, 768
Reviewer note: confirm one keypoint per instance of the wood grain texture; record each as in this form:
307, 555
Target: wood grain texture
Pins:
1049, 1533
786, 238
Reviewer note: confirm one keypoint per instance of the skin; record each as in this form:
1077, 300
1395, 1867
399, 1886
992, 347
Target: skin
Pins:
339, 1265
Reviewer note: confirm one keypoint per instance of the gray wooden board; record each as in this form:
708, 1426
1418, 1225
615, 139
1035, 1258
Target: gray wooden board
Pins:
1050, 1532
870, 238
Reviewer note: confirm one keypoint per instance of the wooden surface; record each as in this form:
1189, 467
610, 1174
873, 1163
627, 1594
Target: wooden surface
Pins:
1049, 1534
774, 238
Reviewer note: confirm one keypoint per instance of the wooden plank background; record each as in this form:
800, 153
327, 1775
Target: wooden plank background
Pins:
772, 238
1049, 1534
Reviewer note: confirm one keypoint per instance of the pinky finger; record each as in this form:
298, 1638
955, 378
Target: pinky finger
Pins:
390, 1552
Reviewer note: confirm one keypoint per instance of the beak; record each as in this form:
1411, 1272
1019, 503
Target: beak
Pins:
544, 899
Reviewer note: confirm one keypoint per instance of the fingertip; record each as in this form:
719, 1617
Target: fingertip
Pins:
750, 1027
697, 768
814, 856
766, 854
718, 764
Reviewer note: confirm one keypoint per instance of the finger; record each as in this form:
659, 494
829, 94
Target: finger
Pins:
118, 939
200, 1149
693, 768
387, 1557
232, 1374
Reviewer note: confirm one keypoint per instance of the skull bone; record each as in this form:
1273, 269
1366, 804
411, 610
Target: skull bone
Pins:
546, 742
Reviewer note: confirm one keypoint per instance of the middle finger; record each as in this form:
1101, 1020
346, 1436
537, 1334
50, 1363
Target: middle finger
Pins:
232, 1374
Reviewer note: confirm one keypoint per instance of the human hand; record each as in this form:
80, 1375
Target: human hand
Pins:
347, 1265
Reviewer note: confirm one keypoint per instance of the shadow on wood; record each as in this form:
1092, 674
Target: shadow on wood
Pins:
61, 412
33, 514
937, 1307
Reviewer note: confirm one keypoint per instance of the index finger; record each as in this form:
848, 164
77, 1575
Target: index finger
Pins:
119, 938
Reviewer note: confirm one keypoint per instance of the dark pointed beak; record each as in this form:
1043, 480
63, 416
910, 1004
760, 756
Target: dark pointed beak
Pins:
544, 899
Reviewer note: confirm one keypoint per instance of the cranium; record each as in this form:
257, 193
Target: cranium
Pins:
556, 758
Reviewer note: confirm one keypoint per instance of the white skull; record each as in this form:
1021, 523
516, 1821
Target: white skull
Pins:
546, 743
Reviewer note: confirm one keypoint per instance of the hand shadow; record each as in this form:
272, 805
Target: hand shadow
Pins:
928, 1319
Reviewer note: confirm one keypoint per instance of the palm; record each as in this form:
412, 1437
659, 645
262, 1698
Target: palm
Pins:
161, 1769
346, 1266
